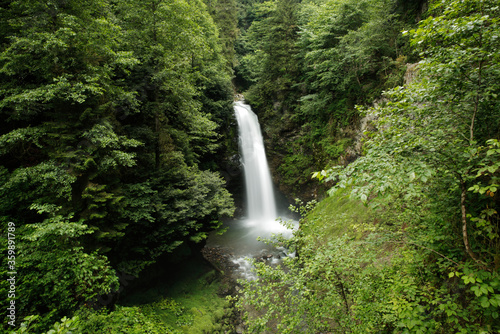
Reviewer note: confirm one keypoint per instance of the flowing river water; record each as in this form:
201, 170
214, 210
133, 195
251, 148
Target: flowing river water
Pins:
261, 218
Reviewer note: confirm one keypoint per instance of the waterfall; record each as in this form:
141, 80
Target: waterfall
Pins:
241, 239
259, 188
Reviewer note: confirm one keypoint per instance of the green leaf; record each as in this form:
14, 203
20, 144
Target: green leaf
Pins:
485, 302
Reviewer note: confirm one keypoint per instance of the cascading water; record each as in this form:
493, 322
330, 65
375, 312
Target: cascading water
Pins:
262, 219
259, 187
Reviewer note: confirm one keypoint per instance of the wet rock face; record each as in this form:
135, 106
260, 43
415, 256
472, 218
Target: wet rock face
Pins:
234, 267
220, 259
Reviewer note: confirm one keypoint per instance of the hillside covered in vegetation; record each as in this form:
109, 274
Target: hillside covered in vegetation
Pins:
407, 240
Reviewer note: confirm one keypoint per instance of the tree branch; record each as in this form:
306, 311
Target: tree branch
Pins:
476, 103
432, 250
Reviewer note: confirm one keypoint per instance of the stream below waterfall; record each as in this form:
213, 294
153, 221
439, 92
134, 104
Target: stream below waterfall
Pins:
261, 219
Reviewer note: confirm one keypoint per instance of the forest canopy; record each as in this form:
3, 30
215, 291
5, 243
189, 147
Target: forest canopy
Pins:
111, 122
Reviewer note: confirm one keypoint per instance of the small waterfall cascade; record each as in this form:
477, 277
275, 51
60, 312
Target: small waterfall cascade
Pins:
258, 183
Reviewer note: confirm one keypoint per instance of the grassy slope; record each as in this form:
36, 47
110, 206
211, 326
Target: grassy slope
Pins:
353, 262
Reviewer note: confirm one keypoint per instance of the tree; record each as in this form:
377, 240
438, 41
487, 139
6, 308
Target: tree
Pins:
276, 37
349, 48
436, 149
225, 15
106, 142
56, 67
439, 126
179, 80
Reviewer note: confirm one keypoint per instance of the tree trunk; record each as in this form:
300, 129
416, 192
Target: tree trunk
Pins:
464, 227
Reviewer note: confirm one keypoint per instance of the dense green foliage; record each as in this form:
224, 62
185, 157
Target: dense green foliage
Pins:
117, 119
189, 306
409, 241
307, 64
225, 14
109, 142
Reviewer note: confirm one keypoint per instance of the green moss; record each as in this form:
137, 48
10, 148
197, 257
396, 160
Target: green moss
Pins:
191, 305
296, 169
338, 215
332, 149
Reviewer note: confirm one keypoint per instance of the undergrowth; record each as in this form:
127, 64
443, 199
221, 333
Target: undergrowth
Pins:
363, 270
189, 306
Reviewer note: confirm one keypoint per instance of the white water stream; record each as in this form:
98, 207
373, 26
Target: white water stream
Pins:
259, 187
262, 214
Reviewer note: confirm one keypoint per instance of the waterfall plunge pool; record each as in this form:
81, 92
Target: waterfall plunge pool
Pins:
243, 241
